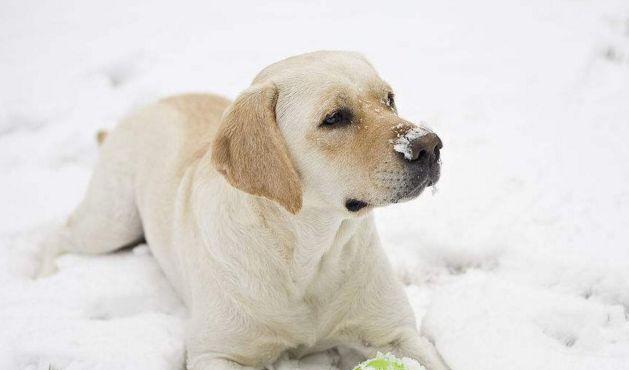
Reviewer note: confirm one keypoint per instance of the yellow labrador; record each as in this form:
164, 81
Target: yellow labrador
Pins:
259, 211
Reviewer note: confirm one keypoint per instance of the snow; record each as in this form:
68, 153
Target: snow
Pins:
520, 261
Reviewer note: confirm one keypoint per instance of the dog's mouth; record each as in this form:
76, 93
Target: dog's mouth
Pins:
355, 205
415, 192
402, 190
419, 184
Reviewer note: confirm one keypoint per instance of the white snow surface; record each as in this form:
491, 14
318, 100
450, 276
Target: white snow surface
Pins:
521, 261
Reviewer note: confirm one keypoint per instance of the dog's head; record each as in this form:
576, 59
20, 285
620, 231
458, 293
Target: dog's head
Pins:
322, 129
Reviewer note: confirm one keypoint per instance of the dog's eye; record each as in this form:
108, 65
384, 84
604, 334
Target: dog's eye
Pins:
391, 100
340, 117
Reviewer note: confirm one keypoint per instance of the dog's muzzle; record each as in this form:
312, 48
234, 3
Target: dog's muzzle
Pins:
421, 152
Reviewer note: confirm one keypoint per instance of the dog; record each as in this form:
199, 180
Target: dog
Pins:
259, 211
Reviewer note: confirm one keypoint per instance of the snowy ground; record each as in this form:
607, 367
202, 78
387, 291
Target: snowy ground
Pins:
520, 261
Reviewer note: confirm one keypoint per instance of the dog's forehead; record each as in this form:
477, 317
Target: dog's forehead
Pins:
321, 69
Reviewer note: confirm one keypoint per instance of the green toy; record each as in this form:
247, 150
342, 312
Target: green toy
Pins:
389, 362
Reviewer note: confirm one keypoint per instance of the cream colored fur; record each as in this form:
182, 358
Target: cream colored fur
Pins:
242, 206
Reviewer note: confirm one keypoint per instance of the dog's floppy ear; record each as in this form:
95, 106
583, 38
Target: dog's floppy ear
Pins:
250, 151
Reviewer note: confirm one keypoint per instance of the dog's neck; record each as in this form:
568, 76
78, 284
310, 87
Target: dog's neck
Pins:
310, 234
304, 239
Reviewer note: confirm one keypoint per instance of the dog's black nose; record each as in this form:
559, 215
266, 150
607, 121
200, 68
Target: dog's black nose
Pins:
425, 148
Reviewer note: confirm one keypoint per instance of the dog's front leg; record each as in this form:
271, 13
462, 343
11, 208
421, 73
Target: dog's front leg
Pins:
228, 343
417, 347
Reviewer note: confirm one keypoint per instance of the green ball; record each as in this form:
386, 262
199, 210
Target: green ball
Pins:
388, 362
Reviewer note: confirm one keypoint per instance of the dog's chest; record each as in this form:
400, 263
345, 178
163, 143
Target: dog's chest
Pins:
312, 319
324, 295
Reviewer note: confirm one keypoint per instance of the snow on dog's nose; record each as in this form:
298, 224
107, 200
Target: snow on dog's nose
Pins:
418, 144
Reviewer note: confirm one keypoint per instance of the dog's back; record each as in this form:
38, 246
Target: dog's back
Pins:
132, 191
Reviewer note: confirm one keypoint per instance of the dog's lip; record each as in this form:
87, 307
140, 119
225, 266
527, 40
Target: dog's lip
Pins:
413, 193
417, 190
355, 205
